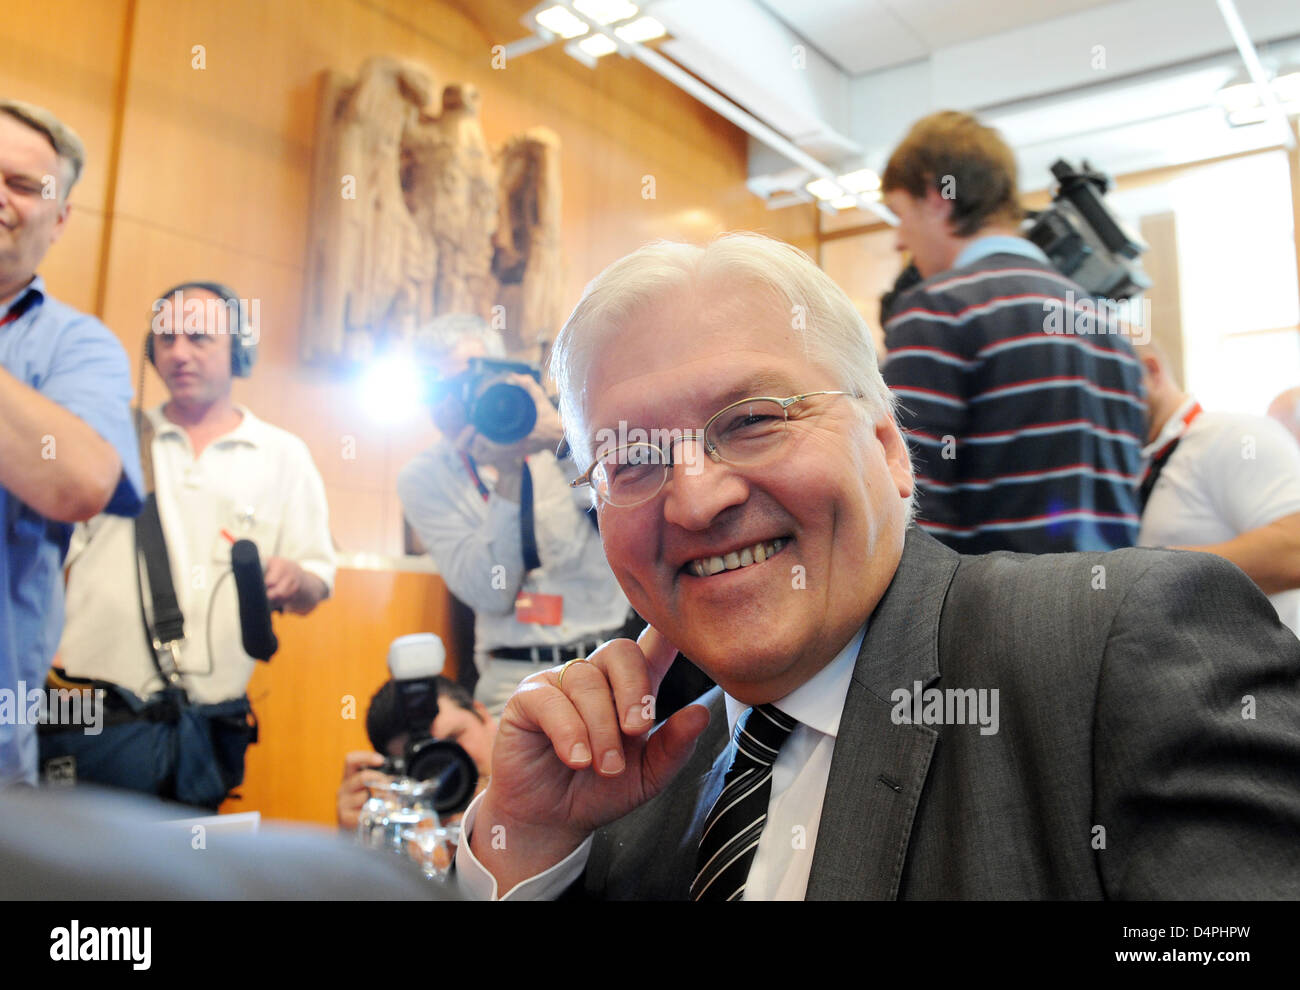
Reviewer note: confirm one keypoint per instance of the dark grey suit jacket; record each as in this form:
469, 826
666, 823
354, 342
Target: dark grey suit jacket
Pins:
1123, 765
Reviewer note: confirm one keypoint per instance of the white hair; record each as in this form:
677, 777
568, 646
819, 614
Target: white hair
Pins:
834, 335
440, 336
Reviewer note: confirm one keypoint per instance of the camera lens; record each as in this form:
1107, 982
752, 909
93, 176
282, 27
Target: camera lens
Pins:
451, 767
504, 413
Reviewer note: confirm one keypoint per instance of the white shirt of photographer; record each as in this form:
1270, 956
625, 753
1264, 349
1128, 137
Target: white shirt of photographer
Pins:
477, 547
1231, 473
257, 482
781, 864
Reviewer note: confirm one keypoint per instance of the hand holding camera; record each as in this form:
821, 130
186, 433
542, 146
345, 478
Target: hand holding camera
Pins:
362, 769
510, 418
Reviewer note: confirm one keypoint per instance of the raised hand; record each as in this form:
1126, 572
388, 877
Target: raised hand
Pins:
575, 753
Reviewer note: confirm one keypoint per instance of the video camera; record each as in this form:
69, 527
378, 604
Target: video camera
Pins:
499, 410
415, 662
1084, 240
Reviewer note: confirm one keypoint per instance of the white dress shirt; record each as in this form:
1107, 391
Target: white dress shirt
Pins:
784, 856
1231, 473
257, 482
477, 547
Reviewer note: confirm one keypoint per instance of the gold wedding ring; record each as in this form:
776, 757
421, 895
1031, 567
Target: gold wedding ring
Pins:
559, 680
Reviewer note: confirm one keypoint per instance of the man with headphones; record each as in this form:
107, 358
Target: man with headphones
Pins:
218, 474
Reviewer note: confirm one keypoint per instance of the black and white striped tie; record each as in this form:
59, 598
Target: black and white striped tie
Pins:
732, 829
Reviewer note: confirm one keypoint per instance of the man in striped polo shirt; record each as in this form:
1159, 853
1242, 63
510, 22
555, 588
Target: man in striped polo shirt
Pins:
1023, 404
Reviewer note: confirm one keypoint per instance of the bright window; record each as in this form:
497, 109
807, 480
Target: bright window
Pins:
1237, 273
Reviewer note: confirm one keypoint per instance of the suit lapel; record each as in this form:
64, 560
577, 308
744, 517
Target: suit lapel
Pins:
879, 768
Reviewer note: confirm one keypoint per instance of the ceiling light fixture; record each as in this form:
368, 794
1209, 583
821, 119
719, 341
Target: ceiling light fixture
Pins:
560, 21
569, 20
642, 29
598, 45
606, 11
824, 189
1242, 102
860, 181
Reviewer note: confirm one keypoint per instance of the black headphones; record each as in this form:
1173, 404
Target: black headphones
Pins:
243, 350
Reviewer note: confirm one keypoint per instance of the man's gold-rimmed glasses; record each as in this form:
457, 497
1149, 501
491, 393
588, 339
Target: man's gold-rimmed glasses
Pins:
748, 433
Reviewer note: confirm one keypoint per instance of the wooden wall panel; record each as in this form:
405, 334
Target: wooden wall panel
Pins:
67, 56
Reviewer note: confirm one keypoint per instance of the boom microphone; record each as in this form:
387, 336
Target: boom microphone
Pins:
254, 609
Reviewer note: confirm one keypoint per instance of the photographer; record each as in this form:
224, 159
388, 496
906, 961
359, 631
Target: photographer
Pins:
464, 721
509, 536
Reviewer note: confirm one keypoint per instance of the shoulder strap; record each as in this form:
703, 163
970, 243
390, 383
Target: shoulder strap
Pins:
527, 532
1153, 472
168, 620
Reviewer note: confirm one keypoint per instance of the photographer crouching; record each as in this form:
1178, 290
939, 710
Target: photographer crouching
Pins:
492, 504
460, 719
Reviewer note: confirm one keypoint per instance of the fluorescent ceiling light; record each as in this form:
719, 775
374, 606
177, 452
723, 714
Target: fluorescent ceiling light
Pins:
1240, 96
642, 29
561, 21
597, 45
824, 188
1287, 87
863, 180
605, 11
1257, 115
844, 202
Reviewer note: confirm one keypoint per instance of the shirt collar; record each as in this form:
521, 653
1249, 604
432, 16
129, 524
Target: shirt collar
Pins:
37, 285
1174, 426
982, 247
248, 431
818, 703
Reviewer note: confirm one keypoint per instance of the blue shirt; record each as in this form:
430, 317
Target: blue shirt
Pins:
998, 244
74, 360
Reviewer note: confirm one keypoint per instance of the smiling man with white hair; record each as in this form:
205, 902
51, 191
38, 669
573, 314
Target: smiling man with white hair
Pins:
892, 720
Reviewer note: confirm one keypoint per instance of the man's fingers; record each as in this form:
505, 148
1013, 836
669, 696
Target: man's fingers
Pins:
362, 780
359, 758
590, 693
624, 667
542, 705
670, 746
659, 654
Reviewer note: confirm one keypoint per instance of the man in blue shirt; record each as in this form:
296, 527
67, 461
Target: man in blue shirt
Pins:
67, 449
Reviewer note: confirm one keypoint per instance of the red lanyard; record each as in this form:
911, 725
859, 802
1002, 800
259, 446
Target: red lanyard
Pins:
1190, 415
19, 307
15, 311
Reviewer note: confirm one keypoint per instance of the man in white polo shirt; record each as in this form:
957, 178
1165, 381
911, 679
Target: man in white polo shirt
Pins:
1224, 483
220, 474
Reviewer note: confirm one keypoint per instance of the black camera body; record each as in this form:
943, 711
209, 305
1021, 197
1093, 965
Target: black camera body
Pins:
1083, 240
415, 662
499, 410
